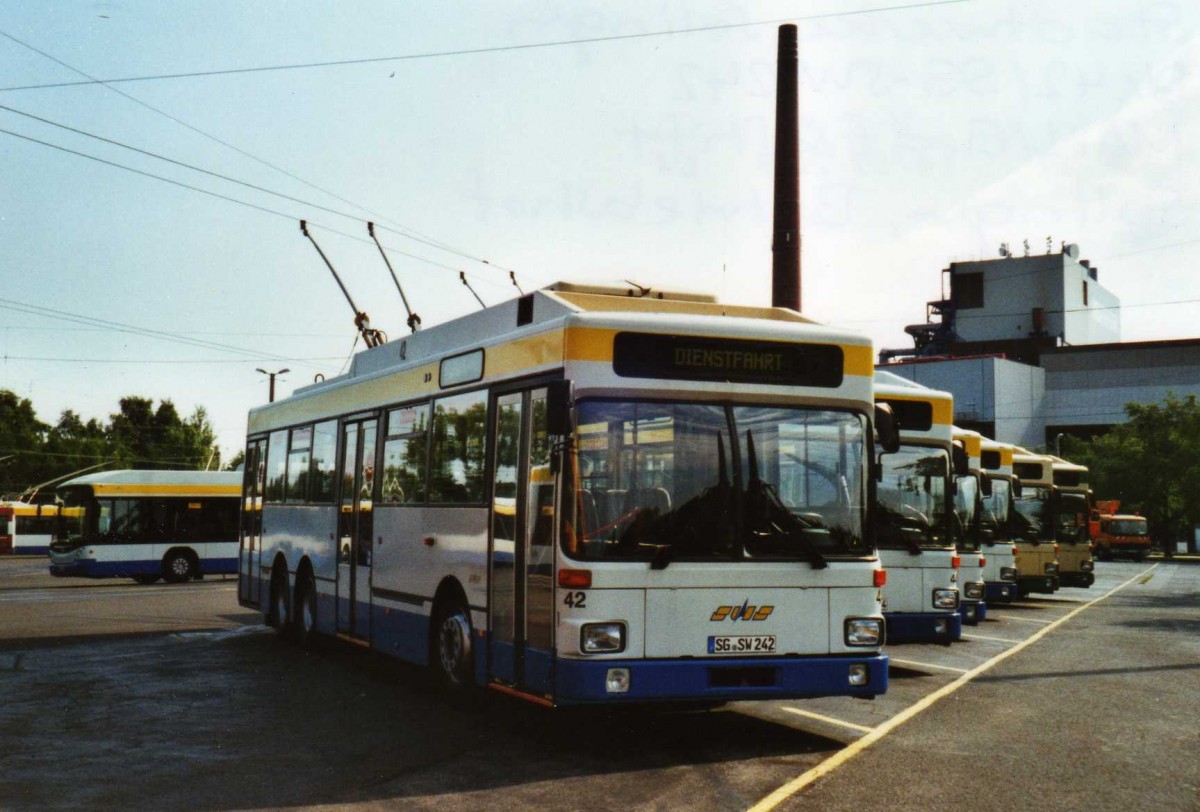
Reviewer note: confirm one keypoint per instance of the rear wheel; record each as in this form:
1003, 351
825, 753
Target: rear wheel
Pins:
177, 567
305, 621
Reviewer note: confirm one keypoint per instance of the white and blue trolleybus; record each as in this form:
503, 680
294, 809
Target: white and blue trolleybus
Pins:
583, 495
147, 525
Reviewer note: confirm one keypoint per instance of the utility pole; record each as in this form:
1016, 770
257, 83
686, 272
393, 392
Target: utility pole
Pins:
272, 375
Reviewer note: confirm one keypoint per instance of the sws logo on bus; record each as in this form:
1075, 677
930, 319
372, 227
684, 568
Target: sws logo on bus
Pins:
743, 612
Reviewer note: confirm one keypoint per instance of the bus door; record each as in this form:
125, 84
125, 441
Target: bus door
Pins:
355, 527
250, 549
521, 586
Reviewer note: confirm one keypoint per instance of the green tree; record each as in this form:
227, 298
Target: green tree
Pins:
22, 436
1151, 463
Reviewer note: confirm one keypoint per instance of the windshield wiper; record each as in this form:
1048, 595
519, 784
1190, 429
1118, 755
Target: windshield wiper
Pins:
768, 516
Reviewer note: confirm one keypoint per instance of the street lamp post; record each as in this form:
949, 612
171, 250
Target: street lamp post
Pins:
272, 375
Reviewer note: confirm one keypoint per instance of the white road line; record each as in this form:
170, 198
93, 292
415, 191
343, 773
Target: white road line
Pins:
994, 639
850, 751
1025, 619
916, 664
829, 719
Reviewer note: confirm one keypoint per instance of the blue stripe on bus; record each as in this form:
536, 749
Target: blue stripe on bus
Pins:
920, 627
583, 681
24, 549
972, 612
89, 568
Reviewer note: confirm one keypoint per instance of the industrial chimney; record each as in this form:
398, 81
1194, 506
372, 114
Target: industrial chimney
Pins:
785, 239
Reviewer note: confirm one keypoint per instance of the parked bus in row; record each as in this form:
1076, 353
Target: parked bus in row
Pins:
968, 509
1033, 524
26, 528
583, 496
147, 525
1119, 533
915, 515
1072, 515
998, 488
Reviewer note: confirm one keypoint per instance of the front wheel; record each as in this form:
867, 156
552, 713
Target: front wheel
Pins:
177, 567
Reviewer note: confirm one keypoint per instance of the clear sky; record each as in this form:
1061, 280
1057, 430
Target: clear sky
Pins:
928, 135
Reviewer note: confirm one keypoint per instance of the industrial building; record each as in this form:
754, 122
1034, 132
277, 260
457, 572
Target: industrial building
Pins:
1031, 348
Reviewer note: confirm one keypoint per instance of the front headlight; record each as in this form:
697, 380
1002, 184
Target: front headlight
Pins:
1052, 569
1087, 566
973, 590
602, 638
945, 599
1008, 574
864, 631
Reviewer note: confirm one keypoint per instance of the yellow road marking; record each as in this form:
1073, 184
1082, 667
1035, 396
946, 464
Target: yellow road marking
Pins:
850, 751
1028, 619
898, 661
990, 638
829, 719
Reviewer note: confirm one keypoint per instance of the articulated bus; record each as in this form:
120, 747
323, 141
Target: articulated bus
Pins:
1072, 513
25, 528
968, 507
147, 525
915, 515
583, 496
998, 488
1033, 524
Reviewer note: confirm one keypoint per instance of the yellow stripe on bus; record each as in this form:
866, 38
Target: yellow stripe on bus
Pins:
102, 489
943, 408
596, 344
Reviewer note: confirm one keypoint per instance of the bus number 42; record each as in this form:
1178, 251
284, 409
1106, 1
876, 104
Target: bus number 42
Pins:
576, 600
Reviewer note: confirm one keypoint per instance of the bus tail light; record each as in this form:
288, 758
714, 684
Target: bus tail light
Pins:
880, 577
575, 579
956, 561
983, 561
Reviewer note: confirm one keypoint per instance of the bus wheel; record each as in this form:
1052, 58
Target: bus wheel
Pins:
146, 579
279, 617
177, 567
452, 654
306, 611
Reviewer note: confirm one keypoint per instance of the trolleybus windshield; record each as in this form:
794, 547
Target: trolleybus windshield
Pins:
1031, 520
910, 498
1071, 517
664, 481
994, 519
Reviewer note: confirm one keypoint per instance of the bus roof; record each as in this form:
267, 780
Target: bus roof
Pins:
561, 327
160, 483
922, 413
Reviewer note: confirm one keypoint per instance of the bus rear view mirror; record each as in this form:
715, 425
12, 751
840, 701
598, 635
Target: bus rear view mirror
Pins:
558, 408
886, 428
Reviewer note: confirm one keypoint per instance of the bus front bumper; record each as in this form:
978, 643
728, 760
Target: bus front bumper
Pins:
1001, 591
1038, 583
1080, 579
709, 679
923, 627
972, 612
